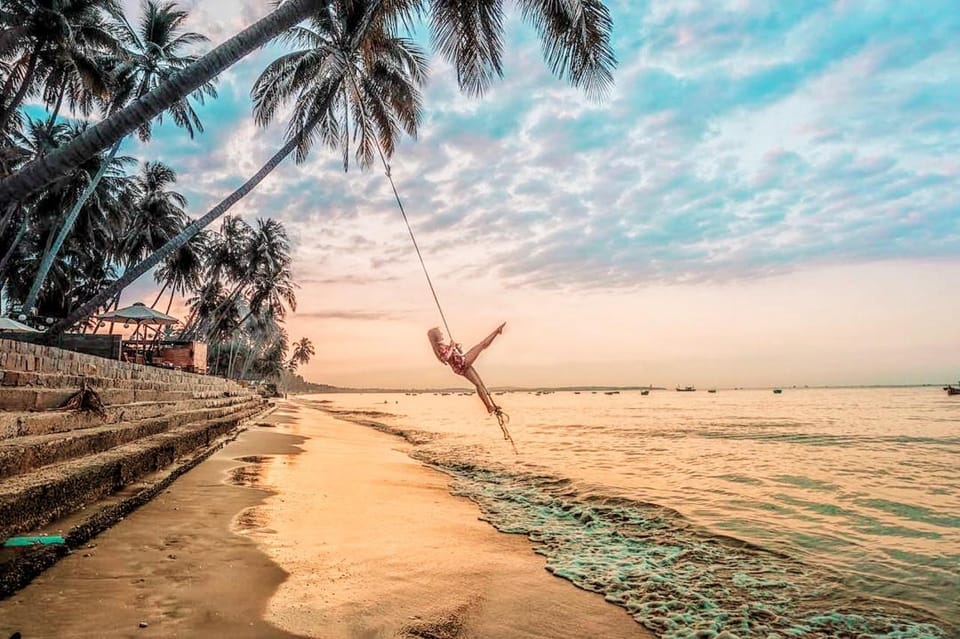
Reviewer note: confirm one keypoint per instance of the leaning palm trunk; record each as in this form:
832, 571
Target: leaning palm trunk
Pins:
50, 256
13, 247
160, 294
180, 240
37, 174
51, 253
6, 218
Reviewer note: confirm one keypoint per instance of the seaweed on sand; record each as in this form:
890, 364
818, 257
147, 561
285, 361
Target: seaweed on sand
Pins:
86, 400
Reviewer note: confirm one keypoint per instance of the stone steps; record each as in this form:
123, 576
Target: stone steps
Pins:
26, 423
19, 566
27, 398
23, 454
83, 472
31, 500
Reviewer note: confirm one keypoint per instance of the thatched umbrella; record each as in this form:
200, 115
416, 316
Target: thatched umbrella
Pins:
8, 325
139, 314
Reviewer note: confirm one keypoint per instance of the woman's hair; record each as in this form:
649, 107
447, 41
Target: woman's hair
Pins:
436, 339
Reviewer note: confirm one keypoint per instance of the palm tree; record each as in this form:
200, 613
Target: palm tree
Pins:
271, 362
385, 73
265, 330
150, 56
575, 34
302, 352
154, 52
267, 280
158, 213
182, 271
58, 40
96, 237
33, 140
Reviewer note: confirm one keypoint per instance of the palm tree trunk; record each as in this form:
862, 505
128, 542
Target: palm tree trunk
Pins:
230, 358
187, 325
160, 294
115, 304
13, 247
37, 174
6, 218
21, 92
51, 254
180, 240
254, 353
173, 292
56, 109
216, 360
219, 313
7, 87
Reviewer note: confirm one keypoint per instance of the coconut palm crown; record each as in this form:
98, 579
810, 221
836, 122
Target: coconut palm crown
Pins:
575, 37
351, 81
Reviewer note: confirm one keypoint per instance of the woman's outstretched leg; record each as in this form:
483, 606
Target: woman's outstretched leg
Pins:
471, 356
482, 392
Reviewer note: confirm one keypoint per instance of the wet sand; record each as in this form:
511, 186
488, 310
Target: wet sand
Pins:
313, 527
377, 547
174, 564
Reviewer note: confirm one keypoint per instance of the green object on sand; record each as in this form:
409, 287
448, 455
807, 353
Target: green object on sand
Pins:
17, 542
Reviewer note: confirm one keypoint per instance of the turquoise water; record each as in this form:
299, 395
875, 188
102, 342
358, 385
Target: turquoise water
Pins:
815, 513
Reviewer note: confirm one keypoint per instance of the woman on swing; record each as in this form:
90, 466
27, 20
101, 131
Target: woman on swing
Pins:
462, 363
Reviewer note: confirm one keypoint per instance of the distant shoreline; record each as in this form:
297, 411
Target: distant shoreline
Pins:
327, 389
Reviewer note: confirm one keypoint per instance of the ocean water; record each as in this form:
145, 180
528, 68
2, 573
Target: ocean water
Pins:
815, 513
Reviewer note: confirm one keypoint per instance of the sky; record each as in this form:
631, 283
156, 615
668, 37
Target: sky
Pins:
768, 196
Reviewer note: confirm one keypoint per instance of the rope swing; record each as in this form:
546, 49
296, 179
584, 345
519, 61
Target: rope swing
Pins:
502, 418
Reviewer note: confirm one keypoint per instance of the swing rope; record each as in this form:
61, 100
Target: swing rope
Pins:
502, 418
396, 195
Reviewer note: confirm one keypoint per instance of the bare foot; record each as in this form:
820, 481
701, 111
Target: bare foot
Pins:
500, 328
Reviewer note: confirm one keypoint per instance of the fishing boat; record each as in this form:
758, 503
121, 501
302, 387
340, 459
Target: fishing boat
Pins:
777, 391
952, 391
712, 390
646, 392
611, 392
686, 389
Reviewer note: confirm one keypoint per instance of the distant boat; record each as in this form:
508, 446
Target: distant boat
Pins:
576, 392
712, 390
952, 391
646, 392
686, 389
777, 391
611, 392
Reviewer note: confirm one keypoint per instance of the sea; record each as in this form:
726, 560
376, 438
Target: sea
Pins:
740, 513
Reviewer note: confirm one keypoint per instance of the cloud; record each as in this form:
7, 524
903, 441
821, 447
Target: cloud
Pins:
742, 139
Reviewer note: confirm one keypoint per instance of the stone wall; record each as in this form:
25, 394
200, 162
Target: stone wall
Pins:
41, 369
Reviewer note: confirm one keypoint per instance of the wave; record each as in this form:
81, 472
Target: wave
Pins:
675, 578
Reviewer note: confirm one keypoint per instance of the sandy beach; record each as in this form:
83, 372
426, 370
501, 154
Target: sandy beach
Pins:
308, 526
